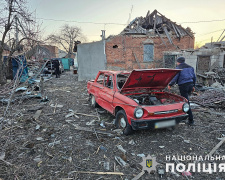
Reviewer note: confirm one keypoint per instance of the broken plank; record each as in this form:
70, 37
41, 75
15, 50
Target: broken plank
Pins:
139, 175
55, 108
216, 147
175, 30
161, 37
167, 35
8, 163
90, 130
37, 114
86, 114
98, 115
102, 173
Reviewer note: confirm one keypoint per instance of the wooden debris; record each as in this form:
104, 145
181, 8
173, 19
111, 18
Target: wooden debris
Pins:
102, 173
8, 163
69, 115
55, 108
96, 135
216, 147
98, 115
90, 130
42, 86
121, 149
37, 114
154, 23
139, 175
96, 152
85, 114
120, 161
35, 108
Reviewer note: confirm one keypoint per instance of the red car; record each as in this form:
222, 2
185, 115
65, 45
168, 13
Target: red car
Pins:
137, 98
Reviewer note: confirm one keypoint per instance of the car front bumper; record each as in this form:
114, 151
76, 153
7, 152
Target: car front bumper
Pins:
157, 123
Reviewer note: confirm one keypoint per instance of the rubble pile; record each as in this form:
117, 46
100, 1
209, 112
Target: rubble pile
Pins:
66, 138
210, 98
220, 75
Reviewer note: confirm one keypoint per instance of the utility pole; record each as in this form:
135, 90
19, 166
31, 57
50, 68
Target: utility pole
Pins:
103, 34
103, 39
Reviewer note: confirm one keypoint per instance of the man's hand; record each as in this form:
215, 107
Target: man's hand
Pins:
169, 87
193, 89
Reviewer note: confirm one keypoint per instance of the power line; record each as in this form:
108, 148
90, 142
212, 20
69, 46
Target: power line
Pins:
81, 21
211, 32
216, 20
48, 19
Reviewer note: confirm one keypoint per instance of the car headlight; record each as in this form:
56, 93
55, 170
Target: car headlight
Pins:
186, 107
138, 113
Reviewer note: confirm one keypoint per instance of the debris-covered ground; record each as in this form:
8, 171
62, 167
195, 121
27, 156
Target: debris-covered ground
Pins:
66, 138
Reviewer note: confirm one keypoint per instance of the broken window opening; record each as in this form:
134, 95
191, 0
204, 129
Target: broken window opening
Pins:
148, 52
203, 64
108, 81
100, 79
170, 61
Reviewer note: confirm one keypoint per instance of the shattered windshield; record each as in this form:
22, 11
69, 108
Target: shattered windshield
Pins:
121, 79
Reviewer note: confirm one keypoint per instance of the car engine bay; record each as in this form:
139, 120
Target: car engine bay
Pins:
155, 99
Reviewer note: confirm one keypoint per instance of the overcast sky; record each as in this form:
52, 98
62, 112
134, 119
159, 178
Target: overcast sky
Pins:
117, 11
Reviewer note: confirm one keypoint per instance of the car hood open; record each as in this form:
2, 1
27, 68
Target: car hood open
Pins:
154, 79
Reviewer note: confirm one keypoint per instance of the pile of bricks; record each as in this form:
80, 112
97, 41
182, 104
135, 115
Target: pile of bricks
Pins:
210, 98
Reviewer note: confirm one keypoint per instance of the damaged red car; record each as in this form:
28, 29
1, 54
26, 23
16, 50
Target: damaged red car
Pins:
138, 99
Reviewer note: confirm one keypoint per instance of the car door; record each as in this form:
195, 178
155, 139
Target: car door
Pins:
107, 93
97, 91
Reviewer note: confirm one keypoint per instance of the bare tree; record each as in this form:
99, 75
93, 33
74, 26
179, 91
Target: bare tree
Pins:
14, 19
67, 37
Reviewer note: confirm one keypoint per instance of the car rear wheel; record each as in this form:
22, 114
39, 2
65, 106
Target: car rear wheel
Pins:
122, 123
93, 102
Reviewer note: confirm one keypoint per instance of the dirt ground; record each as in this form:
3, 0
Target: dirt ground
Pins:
67, 141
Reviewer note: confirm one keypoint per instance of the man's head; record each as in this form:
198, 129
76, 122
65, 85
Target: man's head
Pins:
180, 60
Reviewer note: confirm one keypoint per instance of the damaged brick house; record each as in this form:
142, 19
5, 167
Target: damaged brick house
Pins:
208, 62
140, 45
40, 52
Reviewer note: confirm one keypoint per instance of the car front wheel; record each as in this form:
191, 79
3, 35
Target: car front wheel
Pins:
93, 102
122, 123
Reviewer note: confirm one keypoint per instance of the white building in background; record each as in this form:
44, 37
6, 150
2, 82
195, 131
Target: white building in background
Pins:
62, 54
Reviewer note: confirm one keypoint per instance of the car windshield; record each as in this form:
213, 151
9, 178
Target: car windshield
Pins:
121, 79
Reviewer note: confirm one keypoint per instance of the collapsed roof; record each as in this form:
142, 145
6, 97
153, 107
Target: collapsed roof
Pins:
156, 23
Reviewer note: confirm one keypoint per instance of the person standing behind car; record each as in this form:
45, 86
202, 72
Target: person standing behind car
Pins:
56, 66
186, 81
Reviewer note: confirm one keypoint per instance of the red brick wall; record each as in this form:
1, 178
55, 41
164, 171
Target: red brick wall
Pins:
53, 50
122, 57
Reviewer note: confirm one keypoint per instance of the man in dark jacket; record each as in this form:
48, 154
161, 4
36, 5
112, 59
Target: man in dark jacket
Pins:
186, 81
56, 66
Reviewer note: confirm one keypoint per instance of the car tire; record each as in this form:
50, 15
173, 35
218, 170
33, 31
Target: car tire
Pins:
122, 123
93, 102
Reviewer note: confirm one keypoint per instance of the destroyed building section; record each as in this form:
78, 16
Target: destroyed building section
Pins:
157, 24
